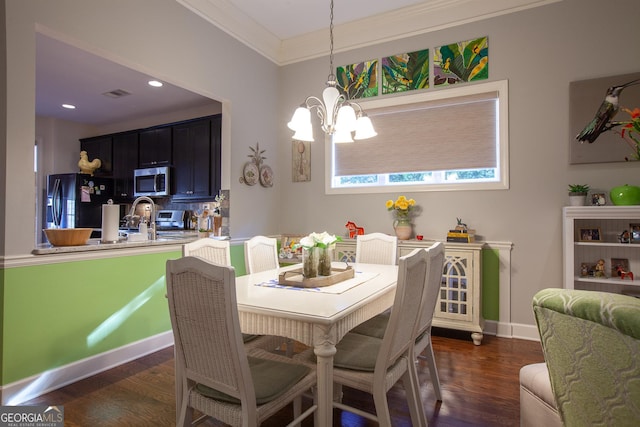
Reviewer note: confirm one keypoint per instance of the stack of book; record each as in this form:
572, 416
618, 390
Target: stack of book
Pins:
461, 236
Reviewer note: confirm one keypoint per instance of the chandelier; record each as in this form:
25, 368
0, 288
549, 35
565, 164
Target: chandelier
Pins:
338, 115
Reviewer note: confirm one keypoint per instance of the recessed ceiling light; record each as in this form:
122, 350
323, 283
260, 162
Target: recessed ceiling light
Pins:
155, 83
68, 106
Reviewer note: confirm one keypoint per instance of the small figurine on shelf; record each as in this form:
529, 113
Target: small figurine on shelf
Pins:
353, 229
623, 273
584, 269
624, 237
461, 233
600, 269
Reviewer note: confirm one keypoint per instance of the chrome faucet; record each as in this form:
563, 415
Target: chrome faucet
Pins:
152, 224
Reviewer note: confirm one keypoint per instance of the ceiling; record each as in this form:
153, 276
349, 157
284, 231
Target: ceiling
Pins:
66, 74
284, 31
291, 18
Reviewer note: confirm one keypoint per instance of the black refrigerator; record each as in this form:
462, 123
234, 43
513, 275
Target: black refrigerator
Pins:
75, 200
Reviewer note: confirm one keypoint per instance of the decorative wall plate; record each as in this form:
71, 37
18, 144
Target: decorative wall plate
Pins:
266, 176
250, 173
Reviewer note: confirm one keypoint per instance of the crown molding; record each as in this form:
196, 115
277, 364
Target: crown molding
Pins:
405, 22
238, 25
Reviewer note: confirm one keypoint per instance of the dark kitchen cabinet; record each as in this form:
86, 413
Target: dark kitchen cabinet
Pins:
125, 161
193, 148
155, 147
192, 159
215, 170
99, 147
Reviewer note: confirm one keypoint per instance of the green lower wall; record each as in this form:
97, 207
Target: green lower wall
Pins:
491, 284
56, 314
237, 259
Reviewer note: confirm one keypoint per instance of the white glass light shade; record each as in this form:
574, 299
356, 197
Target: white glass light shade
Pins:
330, 97
304, 134
341, 136
346, 120
364, 128
301, 119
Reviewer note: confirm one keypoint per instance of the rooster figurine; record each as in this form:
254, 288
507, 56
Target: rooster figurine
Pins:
87, 166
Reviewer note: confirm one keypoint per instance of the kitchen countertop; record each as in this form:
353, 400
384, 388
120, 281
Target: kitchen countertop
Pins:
164, 238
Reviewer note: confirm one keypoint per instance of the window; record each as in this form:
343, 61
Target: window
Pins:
449, 139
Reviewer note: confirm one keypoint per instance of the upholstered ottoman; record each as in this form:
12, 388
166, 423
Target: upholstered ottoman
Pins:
537, 404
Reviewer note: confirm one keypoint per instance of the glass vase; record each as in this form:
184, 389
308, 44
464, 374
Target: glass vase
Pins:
310, 262
325, 256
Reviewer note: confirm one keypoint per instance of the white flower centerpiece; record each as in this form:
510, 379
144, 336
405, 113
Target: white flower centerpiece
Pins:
317, 254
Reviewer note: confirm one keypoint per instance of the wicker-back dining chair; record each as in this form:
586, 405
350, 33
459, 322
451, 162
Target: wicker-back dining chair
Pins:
376, 248
377, 325
217, 251
260, 254
214, 373
374, 365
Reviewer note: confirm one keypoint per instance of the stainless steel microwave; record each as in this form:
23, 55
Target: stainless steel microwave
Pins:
152, 182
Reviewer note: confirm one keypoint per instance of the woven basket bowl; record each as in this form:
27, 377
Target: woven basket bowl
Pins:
68, 236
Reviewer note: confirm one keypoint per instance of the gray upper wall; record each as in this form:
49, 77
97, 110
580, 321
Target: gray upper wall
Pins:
539, 51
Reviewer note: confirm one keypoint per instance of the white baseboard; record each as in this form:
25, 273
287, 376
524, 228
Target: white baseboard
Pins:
512, 330
37, 385
525, 332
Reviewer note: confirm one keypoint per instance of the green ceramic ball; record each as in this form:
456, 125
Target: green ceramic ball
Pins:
625, 195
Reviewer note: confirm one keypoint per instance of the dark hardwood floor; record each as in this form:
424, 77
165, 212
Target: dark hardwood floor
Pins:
479, 385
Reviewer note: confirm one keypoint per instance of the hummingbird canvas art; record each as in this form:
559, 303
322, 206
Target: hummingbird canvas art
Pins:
603, 120
597, 114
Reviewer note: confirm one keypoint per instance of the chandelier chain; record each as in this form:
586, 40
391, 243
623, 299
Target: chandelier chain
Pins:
331, 75
337, 114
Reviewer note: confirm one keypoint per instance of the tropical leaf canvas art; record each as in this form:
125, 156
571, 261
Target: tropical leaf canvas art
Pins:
461, 62
406, 71
358, 80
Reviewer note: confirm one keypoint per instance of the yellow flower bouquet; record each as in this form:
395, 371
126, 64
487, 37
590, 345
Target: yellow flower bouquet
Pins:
402, 207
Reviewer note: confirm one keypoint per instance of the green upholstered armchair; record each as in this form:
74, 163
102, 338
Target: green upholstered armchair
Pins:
591, 345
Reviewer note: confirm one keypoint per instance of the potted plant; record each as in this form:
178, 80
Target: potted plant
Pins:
578, 194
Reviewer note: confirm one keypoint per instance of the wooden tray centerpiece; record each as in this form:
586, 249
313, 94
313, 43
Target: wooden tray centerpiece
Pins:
298, 280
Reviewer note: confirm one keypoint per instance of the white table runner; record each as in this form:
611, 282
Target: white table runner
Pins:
338, 288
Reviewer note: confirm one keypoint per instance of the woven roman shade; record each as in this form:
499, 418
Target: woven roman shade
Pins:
445, 134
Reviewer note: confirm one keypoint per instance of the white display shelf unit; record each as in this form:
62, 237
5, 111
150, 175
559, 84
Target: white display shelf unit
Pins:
459, 304
611, 221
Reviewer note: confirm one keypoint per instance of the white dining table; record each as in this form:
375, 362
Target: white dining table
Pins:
316, 317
